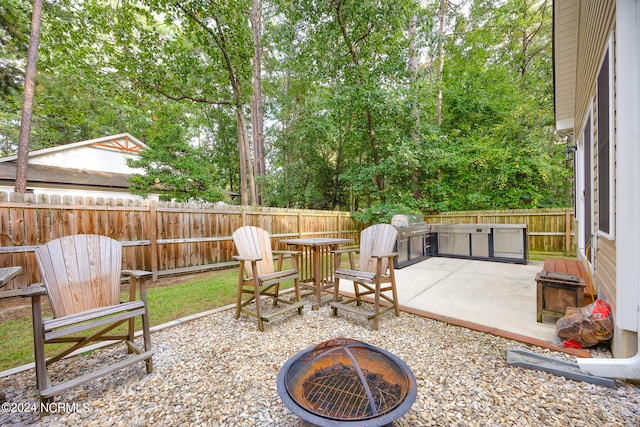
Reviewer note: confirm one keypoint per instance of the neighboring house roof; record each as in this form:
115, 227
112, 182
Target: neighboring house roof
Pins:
97, 164
565, 54
45, 176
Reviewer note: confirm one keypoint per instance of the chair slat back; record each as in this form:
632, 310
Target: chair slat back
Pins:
81, 272
251, 242
378, 239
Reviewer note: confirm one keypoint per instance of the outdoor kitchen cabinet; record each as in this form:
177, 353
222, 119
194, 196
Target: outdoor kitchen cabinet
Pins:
491, 242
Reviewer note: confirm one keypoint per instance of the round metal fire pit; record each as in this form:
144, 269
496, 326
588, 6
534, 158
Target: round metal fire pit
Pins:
346, 382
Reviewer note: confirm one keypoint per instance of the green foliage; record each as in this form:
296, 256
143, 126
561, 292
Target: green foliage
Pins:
383, 212
174, 167
500, 151
14, 36
348, 126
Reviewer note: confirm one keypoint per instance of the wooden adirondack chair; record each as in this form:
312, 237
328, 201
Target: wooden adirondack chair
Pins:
376, 257
258, 277
81, 275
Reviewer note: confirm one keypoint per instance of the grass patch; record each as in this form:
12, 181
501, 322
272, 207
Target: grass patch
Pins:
168, 299
193, 296
16, 342
541, 256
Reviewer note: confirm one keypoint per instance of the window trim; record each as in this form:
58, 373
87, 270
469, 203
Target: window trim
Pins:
582, 174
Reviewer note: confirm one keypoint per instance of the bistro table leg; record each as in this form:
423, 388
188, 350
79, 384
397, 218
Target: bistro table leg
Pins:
318, 276
317, 279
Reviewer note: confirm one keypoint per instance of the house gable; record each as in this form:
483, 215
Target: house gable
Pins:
105, 154
98, 166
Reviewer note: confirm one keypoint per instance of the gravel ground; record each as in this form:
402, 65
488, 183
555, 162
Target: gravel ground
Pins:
221, 372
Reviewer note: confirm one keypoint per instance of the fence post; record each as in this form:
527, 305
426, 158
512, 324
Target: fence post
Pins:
153, 239
299, 223
567, 232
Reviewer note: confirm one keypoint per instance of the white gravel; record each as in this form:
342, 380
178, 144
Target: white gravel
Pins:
221, 372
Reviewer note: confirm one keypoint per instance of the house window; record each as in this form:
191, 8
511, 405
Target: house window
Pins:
604, 146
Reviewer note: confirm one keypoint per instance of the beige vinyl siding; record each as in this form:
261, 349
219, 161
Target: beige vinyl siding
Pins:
597, 23
605, 272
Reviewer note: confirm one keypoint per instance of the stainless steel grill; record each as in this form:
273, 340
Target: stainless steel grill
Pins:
414, 239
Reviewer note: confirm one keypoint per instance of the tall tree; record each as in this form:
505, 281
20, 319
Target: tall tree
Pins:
257, 116
14, 38
28, 97
215, 21
442, 27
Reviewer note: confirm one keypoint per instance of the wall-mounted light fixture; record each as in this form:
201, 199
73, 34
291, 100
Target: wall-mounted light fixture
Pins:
570, 149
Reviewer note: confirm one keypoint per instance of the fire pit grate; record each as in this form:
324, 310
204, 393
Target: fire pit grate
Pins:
344, 381
357, 399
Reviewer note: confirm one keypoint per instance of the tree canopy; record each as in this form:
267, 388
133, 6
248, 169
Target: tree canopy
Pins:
367, 105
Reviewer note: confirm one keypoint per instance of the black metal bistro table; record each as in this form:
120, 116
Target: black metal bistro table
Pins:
317, 264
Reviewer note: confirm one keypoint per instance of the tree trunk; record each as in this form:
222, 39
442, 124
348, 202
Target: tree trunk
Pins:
246, 168
442, 15
415, 112
244, 198
244, 151
257, 119
370, 127
27, 103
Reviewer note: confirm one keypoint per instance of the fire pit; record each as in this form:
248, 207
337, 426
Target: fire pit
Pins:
346, 382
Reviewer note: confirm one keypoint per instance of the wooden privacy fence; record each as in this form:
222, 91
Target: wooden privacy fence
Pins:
549, 230
161, 237
173, 238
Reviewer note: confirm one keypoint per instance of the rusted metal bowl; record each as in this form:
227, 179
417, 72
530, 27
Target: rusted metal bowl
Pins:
347, 382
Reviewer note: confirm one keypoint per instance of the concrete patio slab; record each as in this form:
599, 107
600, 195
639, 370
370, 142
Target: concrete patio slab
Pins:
494, 295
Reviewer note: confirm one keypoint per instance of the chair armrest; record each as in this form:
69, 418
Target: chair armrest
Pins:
239, 258
134, 275
138, 274
391, 255
37, 289
280, 255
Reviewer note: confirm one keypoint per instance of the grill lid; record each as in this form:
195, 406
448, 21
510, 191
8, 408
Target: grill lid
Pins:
348, 380
403, 220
